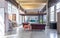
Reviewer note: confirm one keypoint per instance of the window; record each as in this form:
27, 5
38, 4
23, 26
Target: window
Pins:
41, 19
57, 9
52, 13
14, 9
52, 9
9, 8
21, 19
44, 19
58, 5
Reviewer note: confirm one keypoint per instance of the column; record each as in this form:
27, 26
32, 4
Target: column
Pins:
3, 10
55, 13
48, 15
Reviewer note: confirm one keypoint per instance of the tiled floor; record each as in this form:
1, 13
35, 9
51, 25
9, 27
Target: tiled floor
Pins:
48, 33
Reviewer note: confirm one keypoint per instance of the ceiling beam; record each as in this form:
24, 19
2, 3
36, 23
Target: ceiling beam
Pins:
33, 14
32, 1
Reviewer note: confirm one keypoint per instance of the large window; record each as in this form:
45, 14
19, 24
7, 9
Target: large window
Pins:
12, 9
52, 13
57, 9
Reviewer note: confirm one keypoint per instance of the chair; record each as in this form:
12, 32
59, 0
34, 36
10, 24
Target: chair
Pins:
27, 27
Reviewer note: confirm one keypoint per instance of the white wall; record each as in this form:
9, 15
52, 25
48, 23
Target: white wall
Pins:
2, 26
2, 3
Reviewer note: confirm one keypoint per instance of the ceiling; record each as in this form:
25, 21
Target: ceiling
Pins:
32, 4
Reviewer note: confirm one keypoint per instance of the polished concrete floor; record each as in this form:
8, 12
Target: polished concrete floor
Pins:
47, 33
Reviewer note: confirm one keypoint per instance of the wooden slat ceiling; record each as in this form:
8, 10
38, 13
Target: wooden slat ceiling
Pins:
32, 4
